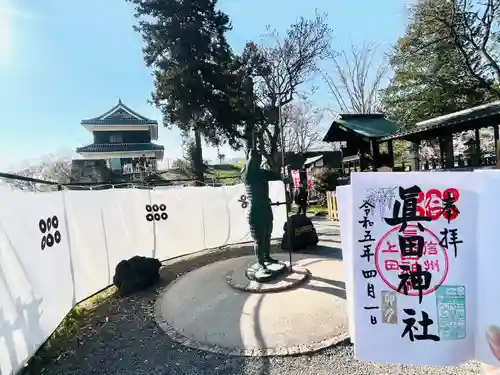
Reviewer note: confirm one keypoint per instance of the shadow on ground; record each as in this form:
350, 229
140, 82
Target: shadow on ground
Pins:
121, 337
322, 251
335, 288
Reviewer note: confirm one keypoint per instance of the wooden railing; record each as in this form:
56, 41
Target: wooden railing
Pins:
331, 202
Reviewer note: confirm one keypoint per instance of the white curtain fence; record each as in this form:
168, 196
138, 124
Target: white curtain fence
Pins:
59, 248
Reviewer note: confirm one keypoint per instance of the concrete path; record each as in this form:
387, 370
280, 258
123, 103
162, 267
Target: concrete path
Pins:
203, 312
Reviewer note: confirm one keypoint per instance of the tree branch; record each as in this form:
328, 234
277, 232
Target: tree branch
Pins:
354, 83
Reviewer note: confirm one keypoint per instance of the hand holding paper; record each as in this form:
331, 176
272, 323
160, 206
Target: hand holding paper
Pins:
493, 338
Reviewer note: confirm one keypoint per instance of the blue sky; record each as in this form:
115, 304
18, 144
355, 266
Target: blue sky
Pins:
65, 60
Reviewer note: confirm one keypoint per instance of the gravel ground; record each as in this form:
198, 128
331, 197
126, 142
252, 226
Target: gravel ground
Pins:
121, 337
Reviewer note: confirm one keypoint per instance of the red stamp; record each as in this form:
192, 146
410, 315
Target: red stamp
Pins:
392, 265
436, 203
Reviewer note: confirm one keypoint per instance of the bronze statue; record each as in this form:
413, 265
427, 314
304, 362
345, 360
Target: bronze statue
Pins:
260, 214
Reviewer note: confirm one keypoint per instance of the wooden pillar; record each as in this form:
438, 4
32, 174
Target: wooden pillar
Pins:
375, 152
363, 148
414, 155
362, 163
448, 151
390, 151
441, 153
478, 147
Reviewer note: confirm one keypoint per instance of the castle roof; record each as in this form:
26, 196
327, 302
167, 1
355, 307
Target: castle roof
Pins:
120, 114
120, 147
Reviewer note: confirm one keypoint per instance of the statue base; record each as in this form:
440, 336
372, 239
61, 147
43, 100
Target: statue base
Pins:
239, 278
262, 275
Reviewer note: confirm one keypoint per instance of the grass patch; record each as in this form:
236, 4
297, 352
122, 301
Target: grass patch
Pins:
65, 332
316, 208
312, 209
225, 172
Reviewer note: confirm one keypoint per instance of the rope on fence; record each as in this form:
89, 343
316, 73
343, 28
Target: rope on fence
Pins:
110, 185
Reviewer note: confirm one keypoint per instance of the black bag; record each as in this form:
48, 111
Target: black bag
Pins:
302, 233
136, 274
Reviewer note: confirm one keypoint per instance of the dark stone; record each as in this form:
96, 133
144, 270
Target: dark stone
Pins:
301, 233
136, 274
262, 275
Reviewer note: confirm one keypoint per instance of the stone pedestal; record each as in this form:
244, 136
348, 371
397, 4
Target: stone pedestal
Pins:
257, 273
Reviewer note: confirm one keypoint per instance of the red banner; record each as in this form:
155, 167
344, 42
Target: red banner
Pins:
296, 178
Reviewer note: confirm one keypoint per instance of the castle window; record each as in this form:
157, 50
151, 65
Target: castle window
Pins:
115, 138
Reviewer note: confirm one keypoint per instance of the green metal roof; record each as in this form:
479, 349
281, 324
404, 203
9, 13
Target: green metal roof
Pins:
366, 125
486, 114
120, 147
120, 114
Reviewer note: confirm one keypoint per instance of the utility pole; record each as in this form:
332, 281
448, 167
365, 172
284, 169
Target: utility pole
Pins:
250, 123
286, 174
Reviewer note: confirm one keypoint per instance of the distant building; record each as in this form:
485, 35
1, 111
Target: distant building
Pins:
361, 135
123, 140
314, 159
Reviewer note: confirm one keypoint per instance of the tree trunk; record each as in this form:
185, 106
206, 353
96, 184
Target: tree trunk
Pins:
249, 138
272, 153
199, 168
274, 161
250, 123
276, 166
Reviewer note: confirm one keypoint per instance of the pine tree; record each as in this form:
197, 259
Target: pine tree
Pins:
185, 45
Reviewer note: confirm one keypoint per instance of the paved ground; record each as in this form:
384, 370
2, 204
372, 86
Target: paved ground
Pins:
309, 317
122, 338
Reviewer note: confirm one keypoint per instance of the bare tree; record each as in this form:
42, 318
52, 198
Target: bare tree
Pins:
221, 157
282, 67
301, 125
51, 168
473, 26
356, 80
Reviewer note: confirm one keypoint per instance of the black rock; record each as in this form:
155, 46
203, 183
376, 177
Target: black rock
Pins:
301, 232
136, 274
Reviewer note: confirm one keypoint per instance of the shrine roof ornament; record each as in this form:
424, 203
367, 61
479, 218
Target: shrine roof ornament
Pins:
120, 114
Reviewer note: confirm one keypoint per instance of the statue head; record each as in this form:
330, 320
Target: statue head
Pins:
253, 163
